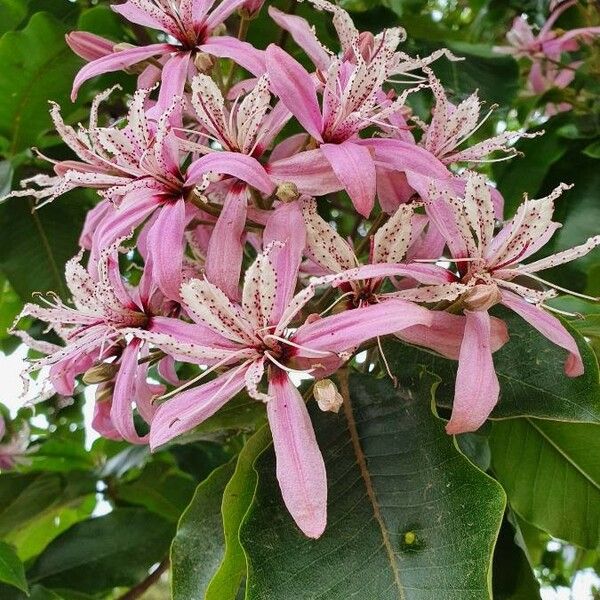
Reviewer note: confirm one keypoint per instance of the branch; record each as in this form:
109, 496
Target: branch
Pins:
146, 584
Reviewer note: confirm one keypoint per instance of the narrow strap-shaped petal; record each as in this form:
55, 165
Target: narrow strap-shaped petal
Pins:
166, 241
477, 388
446, 334
299, 462
296, 89
287, 227
325, 246
226, 246
309, 170
242, 53
346, 330
154, 18
304, 35
116, 62
354, 167
560, 258
238, 165
550, 327
393, 239
187, 410
121, 412
173, 80
221, 12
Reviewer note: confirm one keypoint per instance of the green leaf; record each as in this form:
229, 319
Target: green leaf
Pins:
551, 473
10, 306
37, 66
530, 372
408, 515
12, 12
101, 553
35, 245
237, 497
11, 568
593, 150
161, 488
513, 577
199, 545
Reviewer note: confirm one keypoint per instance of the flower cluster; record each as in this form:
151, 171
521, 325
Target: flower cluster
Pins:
546, 50
214, 206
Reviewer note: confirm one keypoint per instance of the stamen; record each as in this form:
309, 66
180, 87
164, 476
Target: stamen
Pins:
202, 375
299, 346
385, 362
287, 369
333, 304
562, 289
562, 312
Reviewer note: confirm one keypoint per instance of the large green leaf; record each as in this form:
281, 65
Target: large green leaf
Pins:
551, 473
408, 517
161, 488
11, 568
37, 66
199, 546
531, 375
99, 554
237, 497
35, 245
12, 12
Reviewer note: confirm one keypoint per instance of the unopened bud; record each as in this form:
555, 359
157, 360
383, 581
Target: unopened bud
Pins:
204, 62
89, 46
122, 46
219, 30
104, 392
327, 396
287, 192
250, 9
100, 373
481, 297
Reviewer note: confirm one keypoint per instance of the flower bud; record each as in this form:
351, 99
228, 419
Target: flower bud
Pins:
327, 396
287, 192
251, 8
481, 297
100, 373
89, 46
204, 62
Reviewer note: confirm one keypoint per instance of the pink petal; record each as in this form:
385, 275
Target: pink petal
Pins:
238, 165
446, 334
303, 34
299, 463
137, 15
221, 12
121, 412
116, 62
550, 327
354, 167
477, 388
102, 423
296, 89
166, 242
173, 80
285, 225
226, 246
166, 369
188, 409
346, 330
242, 53
309, 170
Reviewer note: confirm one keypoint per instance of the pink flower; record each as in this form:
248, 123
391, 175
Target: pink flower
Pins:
193, 25
93, 330
255, 337
351, 102
545, 49
488, 265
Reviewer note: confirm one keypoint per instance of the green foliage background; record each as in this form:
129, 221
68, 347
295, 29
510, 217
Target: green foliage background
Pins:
414, 514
